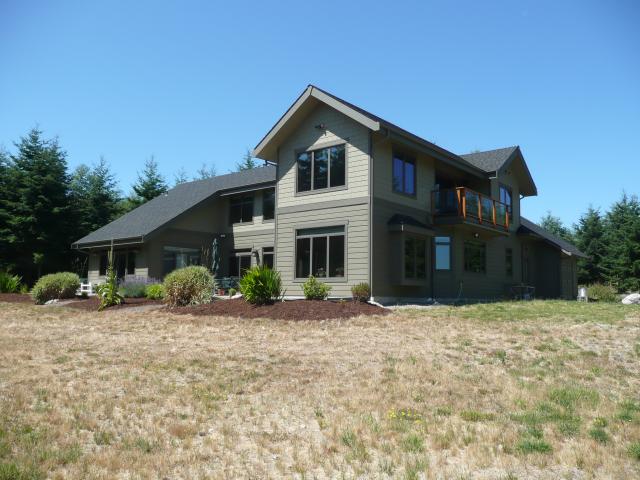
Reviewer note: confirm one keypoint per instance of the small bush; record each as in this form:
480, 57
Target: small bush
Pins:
315, 290
232, 292
188, 286
10, 283
602, 293
261, 285
55, 286
155, 291
132, 288
361, 292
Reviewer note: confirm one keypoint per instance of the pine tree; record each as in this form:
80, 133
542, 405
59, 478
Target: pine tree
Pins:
554, 225
589, 237
39, 202
5, 214
247, 163
149, 185
206, 171
180, 177
622, 238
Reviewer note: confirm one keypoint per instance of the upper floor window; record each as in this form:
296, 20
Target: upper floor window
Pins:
475, 257
443, 253
241, 209
505, 197
404, 174
321, 169
268, 204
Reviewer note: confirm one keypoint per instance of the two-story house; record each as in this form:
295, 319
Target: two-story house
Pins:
349, 197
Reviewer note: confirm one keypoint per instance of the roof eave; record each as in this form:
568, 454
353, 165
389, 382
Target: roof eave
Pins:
532, 191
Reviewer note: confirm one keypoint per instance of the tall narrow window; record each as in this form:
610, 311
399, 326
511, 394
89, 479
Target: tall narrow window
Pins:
321, 169
131, 263
404, 174
415, 258
320, 252
267, 257
104, 262
241, 209
475, 257
506, 198
508, 262
268, 204
443, 253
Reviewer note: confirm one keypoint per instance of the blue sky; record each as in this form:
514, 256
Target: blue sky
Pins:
192, 82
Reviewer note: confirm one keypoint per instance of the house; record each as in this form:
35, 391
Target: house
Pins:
350, 197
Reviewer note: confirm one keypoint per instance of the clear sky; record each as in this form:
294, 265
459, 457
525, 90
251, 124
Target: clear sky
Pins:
193, 82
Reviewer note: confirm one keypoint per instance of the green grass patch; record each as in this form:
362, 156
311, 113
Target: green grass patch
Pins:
473, 416
413, 443
599, 434
533, 445
355, 445
634, 450
627, 411
571, 397
12, 471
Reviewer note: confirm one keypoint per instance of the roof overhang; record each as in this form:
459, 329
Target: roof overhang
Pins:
518, 165
116, 242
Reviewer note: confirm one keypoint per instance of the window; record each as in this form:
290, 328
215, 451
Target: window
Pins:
178, 257
239, 262
320, 252
508, 261
475, 257
104, 262
505, 197
267, 257
131, 263
404, 174
241, 209
321, 169
443, 253
415, 258
268, 204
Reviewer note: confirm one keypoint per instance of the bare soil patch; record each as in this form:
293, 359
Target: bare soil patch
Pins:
288, 310
15, 298
92, 303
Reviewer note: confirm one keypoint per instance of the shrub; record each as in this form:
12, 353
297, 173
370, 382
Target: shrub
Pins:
361, 292
132, 288
55, 286
602, 293
315, 290
155, 291
108, 291
188, 286
232, 292
10, 283
261, 285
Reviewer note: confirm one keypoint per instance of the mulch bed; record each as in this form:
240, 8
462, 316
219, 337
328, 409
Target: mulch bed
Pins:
289, 310
92, 303
15, 298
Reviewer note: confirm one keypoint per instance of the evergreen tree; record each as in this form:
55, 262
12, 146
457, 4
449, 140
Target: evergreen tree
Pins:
180, 177
589, 237
149, 185
39, 202
205, 171
622, 238
554, 225
247, 163
5, 214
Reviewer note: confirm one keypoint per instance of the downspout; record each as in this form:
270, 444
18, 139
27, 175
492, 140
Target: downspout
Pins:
371, 213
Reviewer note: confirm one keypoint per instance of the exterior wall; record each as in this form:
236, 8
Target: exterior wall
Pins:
347, 206
508, 178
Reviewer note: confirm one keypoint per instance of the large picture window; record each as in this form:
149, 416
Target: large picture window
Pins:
320, 252
178, 257
415, 258
443, 253
404, 174
268, 204
239, 262
321, 169
241, 209
475, 257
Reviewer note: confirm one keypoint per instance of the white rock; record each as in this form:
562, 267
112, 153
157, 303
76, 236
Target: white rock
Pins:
237, 295
633, 299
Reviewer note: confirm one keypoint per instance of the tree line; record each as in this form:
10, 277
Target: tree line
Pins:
44, 207
611, 241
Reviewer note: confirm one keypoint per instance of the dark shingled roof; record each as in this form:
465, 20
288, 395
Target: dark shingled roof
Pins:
528, 227
491, 160
152, 215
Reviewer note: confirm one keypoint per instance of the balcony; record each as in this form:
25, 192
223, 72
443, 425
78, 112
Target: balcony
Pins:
464, 205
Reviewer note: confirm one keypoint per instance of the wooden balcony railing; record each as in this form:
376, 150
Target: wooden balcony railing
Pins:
469, 204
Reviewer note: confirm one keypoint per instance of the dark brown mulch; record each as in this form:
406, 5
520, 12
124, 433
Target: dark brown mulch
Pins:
92, 303
16, 298
289, 310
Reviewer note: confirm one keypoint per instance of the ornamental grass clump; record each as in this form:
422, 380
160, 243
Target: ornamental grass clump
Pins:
10, 283
315, 290
108, 291
55, 286
361, 292
260, 285
188, 286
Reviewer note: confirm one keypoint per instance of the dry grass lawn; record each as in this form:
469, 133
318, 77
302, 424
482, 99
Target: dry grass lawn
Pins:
506, 391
